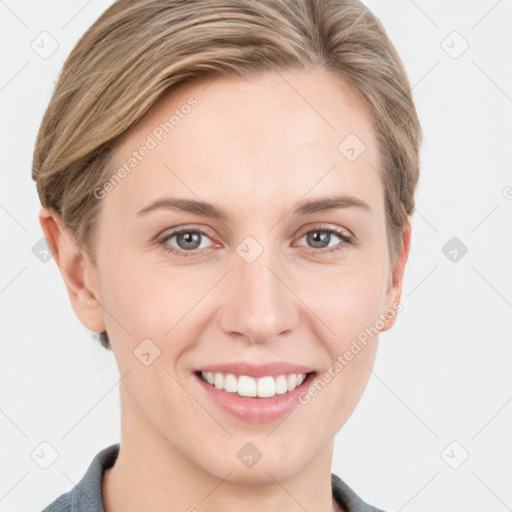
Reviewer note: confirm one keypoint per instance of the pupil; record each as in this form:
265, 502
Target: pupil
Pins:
319, 236
189, 238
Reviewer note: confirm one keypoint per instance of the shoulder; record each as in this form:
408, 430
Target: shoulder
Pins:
61, 504
86, 496
347, 497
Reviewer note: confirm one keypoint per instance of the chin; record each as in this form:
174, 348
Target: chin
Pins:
248, 465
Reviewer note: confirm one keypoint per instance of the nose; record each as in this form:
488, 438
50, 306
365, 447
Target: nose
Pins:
258, 303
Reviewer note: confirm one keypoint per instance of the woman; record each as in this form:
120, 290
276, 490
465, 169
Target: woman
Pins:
226, 187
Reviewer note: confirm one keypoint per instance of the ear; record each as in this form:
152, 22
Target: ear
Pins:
394, 290
76, 269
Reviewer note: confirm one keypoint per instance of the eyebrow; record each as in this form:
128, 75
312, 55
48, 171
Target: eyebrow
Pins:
303, 207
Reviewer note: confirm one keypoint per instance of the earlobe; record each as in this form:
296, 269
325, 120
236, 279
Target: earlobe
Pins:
76, 269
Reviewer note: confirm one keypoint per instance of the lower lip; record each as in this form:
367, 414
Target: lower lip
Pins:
255, 409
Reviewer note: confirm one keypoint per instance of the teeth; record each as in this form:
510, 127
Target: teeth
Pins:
263, 387
247, 386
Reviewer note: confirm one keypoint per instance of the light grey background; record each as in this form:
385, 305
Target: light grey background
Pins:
442, 376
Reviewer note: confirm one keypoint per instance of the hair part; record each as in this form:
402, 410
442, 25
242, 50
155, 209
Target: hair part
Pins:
137, 50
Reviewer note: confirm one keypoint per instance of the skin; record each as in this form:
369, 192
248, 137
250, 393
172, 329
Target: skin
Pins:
254, 147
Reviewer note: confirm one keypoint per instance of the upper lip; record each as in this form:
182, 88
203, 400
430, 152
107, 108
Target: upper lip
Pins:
256, 370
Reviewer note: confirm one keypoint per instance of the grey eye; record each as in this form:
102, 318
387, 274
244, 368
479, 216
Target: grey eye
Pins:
318, 238
188, 240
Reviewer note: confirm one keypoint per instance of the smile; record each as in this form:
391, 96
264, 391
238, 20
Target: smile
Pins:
254, 399
263, 387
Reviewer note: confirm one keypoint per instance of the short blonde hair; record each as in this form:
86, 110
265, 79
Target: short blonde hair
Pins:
137, 50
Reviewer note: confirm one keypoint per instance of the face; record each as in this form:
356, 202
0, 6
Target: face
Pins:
257, 277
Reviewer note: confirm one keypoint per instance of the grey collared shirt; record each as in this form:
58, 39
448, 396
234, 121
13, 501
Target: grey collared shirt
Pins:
86, 496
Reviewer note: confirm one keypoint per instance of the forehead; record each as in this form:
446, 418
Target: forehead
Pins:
279, 133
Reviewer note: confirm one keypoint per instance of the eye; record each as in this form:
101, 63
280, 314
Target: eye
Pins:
320, 237
188, 240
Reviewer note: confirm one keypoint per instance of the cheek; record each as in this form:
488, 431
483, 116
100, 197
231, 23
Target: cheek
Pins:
149, 295
345, 308
345, 315
140, 302
345, 301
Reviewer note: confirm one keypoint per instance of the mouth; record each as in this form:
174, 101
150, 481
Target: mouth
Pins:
254, 387
251, 399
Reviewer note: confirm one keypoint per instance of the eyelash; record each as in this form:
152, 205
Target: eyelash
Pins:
347, 239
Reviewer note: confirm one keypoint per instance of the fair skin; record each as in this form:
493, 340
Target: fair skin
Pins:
254, 148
